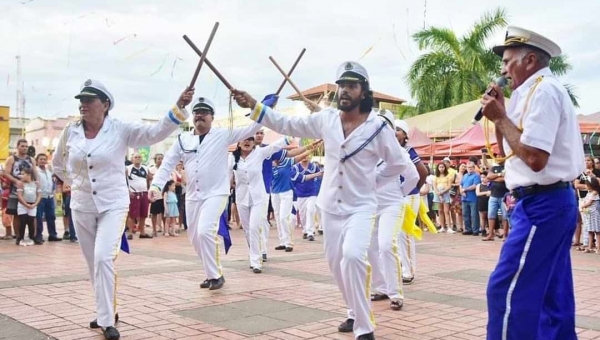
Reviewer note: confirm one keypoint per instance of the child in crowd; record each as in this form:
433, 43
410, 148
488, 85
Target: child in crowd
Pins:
171, 208
29, 197
509, 201
591, 215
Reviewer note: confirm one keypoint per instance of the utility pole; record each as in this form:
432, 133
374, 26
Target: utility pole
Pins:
20, 107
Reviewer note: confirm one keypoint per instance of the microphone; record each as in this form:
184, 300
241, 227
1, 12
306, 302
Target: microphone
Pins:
501, 81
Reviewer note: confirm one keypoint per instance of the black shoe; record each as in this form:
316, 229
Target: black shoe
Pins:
304, 236
111, 333
320, 232
408, 280
66, 235
264, 257
311, 238
38, 242
205, 284
288, 249
145, 236
346, 326
484, 233
256, 271
396, 304
94, 324
379, 297
54, 239
368, 336
217, 283
467, 233
130, 237
475, 234
280, 248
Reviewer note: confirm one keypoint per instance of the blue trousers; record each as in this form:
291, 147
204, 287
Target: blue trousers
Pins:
46, 208
530, 293
470, 216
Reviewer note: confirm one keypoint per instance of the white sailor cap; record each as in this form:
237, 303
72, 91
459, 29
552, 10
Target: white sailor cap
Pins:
352, 71
388, 117
401, 124
204, 103
95, 89
517, 36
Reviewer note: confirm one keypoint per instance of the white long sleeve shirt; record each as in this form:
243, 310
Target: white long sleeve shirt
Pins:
249, 184
95, 168
205, 163
348, 187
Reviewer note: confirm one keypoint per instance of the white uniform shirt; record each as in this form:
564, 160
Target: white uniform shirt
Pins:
249, 182
205, 164
348, 187
46, 183
95, 168
394, 192
137, 178
550, 125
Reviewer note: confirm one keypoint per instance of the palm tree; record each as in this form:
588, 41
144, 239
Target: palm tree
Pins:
457, 70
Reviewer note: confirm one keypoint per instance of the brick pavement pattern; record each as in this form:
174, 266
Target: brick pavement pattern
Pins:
45, 293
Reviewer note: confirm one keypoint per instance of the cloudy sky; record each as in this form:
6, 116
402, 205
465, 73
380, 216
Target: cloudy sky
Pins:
136, 48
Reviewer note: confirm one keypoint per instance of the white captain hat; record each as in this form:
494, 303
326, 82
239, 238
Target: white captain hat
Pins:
387, 117
351, 71
517, 36
203, 103
401, 124
95, 89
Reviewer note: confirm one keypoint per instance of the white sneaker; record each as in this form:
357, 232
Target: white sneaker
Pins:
23, 243
29, 242
450, 231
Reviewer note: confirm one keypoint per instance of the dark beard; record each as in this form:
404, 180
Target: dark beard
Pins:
353, 105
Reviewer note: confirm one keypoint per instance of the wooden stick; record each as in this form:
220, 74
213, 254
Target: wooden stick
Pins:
208, 63
203, 56
310, 102
289, 74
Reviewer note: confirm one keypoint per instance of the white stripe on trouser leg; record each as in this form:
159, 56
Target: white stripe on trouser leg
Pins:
100, 241
347, 241
390, 226
244, 212
264, 236
513, 282
282, 204
203, 225
252, 226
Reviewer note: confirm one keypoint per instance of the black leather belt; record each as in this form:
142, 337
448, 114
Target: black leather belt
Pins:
521, 192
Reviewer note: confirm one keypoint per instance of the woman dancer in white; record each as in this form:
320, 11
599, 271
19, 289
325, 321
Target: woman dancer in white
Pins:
250, 194
89, 158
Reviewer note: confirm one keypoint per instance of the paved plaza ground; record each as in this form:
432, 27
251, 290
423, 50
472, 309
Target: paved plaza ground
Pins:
45, 293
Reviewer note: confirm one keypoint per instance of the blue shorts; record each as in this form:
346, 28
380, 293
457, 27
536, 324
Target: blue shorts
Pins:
495, 204
445, 198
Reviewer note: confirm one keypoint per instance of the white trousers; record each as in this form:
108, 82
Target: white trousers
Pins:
408, 247
383, 252
318, 224
346, 239
264, 237
307, 207
253, 219
282, 205
203, 224
100, 241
